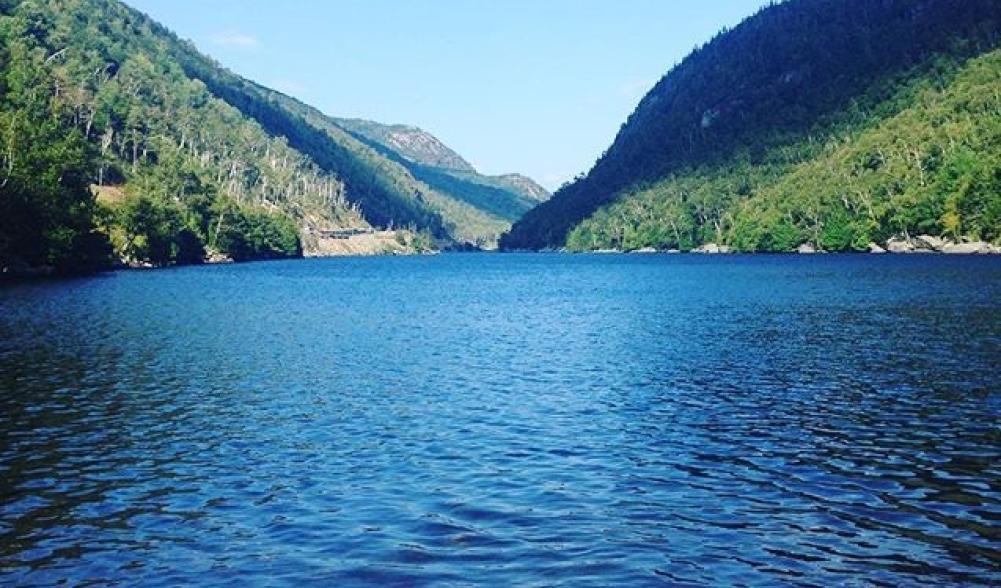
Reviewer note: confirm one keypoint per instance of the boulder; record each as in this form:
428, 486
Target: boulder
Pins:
931, 242
712, 249
806, 249
216, 257
974, 248
874, 248
898, 245
919, 244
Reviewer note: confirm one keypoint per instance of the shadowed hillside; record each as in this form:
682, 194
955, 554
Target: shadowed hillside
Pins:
776, 92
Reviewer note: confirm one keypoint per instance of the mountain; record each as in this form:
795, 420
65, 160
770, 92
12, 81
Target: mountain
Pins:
119, 140
832, 123
523, 185
503, 199
409, 142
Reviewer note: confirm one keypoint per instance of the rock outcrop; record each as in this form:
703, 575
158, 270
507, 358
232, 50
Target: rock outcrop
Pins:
712, 249
933, 244
900, 245
930, 243
214, 257
972, 248
361, 242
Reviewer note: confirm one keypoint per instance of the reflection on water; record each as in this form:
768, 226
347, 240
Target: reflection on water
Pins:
476, 419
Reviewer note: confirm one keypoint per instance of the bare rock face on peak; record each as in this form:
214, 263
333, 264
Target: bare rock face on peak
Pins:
524, 185
410, 142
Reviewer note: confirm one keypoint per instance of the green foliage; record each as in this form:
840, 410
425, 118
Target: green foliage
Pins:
155, 232
423, 242
971, 182
46, 208
91, 97
105, 97
932, 167
776, 92
249, 234
161, 232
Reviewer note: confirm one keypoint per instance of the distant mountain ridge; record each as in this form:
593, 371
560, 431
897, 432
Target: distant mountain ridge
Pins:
422, 148
503, 199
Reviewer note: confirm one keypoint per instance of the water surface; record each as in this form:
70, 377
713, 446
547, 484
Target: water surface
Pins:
506, 420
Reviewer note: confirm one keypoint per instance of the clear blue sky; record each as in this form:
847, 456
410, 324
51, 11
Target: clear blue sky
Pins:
533, 86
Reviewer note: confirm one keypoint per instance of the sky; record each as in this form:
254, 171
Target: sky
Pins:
538, 87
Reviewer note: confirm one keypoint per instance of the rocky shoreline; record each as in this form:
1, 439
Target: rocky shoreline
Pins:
928, 244
365, 242
362, 243
385, 243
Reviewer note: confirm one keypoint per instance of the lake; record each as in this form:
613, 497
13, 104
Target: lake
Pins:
477, 419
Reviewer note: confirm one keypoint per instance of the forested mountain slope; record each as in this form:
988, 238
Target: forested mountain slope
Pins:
88, 99
118, 140
770, 103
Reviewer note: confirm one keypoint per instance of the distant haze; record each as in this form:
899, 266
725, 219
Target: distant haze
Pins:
523, 86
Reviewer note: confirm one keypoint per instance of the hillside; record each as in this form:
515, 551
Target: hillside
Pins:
728, 146
120, 141
504, 198
409, 142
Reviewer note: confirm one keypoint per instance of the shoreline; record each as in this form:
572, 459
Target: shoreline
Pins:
44, 274
899, 245
917, 253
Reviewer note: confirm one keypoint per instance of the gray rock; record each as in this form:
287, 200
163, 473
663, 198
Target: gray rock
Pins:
806, 249
931, 242
216, 257
898, 245
874, 248
646, 250
712, 249
974, 248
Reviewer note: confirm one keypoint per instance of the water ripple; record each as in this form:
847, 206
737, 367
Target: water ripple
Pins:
506, 420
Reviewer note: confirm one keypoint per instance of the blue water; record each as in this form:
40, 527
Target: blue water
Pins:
535, 420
